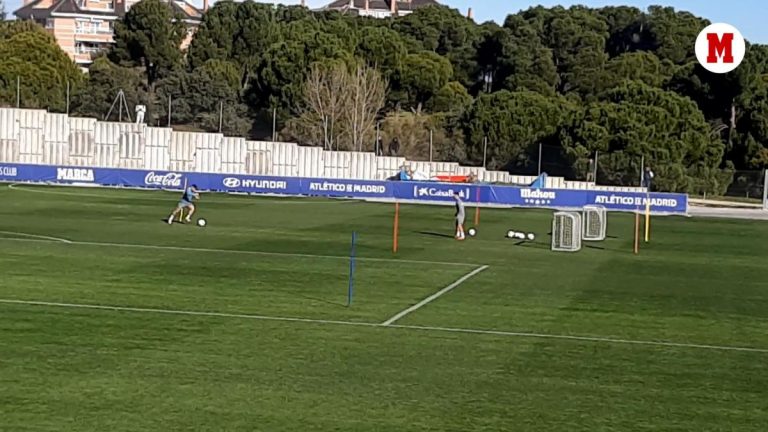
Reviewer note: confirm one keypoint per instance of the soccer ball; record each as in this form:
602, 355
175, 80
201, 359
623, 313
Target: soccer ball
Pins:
531, 236
520, 236
202, 222
510, 234
472, 232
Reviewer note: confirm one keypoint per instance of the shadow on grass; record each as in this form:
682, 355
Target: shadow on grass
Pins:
434, 234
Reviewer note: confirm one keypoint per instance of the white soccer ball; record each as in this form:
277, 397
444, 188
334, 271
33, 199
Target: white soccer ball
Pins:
510, 234
520, 236
472, 232
531, 236
202, 222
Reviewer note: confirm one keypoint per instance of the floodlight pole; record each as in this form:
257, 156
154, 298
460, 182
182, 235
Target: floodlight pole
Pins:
765, 191
221, 114
430, 145
539, 159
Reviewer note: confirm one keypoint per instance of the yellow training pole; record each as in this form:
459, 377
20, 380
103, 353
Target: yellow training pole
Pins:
637, 232
648, 220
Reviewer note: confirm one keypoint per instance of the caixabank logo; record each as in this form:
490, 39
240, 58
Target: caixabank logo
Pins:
720, 48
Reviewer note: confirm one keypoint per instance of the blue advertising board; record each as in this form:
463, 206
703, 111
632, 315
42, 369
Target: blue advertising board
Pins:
661, 203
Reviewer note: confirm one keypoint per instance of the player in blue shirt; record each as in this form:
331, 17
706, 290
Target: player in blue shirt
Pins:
190, 194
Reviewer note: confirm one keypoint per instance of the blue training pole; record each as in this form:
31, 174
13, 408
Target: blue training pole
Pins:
351, 289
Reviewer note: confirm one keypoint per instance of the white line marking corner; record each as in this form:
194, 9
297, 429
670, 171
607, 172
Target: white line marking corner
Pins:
434, 296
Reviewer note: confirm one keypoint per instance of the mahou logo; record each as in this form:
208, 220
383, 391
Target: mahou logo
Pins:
720, 48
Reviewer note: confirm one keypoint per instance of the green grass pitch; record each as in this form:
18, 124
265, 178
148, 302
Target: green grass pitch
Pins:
243, 325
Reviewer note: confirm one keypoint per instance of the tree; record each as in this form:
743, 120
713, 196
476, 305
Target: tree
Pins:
638, 121
341, 106
420, 76
105, 80
150, 36
382, 49
2, 10
28, 53
514, 123
446, 32
453, 97
515, 59
577, 38
198, 98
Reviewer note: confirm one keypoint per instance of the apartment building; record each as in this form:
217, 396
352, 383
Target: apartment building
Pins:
85, 27
380, 8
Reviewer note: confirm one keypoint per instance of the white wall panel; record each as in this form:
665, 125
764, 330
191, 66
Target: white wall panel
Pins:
182, 148
107, 133
208, 160
207, 140
56, 153
310, 162
157, 137
82, 124
107, 156
30, 158
337, 164
31, 141
56, 127
284, 159
81, 144
9, 150
363, 166
157, 158
9, 123
258, 162
233, 153
131, 145
233, 150
32, 119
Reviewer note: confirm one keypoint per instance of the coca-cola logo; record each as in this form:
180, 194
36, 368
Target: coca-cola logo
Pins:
165, 180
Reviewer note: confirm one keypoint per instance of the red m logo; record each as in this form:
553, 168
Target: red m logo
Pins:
720, 47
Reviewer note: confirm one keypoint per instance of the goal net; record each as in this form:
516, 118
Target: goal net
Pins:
595, 223
566, 232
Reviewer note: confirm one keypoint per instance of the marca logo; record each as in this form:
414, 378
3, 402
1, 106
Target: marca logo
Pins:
537, 196
6, 171
165, 180
426, 191
74, 174
720, 48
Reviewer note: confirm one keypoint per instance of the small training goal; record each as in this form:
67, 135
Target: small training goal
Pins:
566, 232
595, 223
570, 228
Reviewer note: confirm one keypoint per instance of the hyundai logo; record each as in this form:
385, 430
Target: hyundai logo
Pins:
232, 182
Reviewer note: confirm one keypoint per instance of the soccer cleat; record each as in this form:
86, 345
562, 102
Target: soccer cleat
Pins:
170, 220
188, 220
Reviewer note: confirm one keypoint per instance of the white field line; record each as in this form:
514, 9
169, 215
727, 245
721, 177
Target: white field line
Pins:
240, 198
36, 237
228, 251
592, 339
434, 296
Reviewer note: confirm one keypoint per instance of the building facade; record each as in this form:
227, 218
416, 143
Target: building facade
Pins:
82, 28
380, 8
